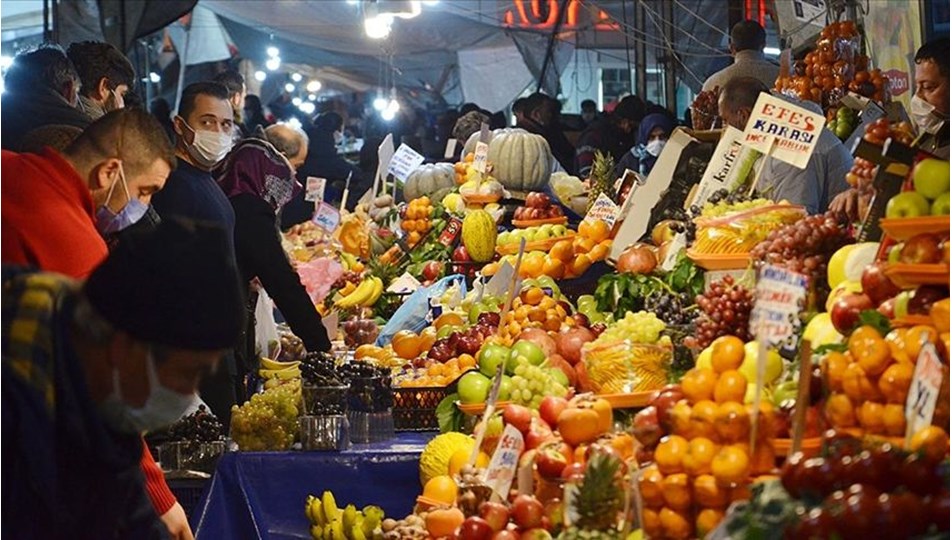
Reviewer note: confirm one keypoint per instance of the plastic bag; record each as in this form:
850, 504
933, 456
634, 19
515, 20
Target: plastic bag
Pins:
318, 275
412, 314
266, 330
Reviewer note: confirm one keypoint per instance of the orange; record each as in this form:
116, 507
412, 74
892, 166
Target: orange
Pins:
583, 245
461, 457
869, 349
448, 318
444, 521
703, 415
600, 251
670, 453
727, 353
366, 351
766, 424
707, 520
532, 296
730, 466
731, 386
698, 384
894, 419
548, 303
675, 525
580, 264
833, 366
839, 411
435, 369
490, 269
532, 264
857, 386
701, 452
406, 344
676, 491
732, 422
896, 340
414, 238
894, 382
916, 336
562, 250
443, 488
597, 231
870, 417
931, 441
427, 338
466, 361
585, 228
554, 268
707, 493
651, 523
680, 416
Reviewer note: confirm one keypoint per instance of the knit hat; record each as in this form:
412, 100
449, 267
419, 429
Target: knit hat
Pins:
631, 108
175, 285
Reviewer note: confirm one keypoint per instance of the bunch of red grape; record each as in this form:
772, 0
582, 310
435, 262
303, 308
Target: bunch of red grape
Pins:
725, 310
877, 132
862, 174
804, 246
704, 114
347, 276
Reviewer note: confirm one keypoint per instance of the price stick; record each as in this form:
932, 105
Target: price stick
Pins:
803, 396
488, 413
758, 389
343, 197
760, 169
512, 286
924, 390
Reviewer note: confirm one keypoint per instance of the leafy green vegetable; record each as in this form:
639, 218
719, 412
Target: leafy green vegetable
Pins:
871, 317
448, 415
685, 277
830, 347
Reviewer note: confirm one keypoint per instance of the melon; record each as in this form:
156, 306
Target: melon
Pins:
848, 262
479, 235
435, 459
521, 161
820, 331
432, 180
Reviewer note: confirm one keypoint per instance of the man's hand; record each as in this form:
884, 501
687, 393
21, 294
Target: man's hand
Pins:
847, 203
177, 523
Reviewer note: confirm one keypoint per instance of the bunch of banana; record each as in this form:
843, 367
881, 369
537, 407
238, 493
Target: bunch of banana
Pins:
365, 295
328, 522
279, 371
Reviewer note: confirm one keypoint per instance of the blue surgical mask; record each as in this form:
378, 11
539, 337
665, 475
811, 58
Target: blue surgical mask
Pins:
162, 408
109, 222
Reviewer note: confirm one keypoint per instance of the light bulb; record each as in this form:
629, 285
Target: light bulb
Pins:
273, 63
296, 102
6, 61
154, 77
260, 76
380, 103
307, 107
296, 77
393, 106
314, 86
289, 87
388, 115
378, 27
273, 52
312, 97
293, 122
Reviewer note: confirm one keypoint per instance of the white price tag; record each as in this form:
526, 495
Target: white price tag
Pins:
603, 209
783, 130
924, 390
326, 217
405, 160
450, 148
502, 468
778, 301
480, 156
314, 190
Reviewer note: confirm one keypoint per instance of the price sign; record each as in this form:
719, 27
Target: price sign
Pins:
326, 217
505, 461
924, 390
404, 161
778, 300
450, 148
314, 190
603, 209
384, 155
783, 130
480, 156
718, 171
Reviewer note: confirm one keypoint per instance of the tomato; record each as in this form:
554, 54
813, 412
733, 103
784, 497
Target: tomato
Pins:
817, 524
860, 514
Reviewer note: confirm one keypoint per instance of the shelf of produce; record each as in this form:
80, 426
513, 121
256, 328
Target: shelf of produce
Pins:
905, 228
259, 494
912, 275
481, 199
526, 223
476, 409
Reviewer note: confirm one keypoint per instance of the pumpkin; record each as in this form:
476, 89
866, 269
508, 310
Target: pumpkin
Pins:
521, 160
479, 235
432, 180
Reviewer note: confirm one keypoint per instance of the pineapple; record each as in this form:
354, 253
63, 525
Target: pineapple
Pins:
599, 501
601, 177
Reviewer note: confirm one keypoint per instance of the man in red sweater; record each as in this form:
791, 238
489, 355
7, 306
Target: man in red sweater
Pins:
55, 208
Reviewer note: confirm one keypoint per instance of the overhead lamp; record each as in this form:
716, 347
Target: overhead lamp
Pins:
772, 51
404, 9
289, 87
380, 103
314, 86
296, 102
388, 115
260, 76
353, 2
378, 26
296, 77
307, 107
6, 61
154, 77
273, 63
273, 52
312, 97
430, 2
393, 106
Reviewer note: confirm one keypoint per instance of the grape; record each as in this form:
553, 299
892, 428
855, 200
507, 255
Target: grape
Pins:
200, 426
637, 327
268, 421
725, 310
673, 309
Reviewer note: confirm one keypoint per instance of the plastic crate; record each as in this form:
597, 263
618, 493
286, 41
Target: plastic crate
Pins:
188, 492
414, 409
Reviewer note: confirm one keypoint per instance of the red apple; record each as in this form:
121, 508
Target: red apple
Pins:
496, 514
474, 528
432, 270
921, 249
551, 407
505, 535
646, 427
888, 308
461, 255
637, 259
876, 285
846, 310
539, 433
557, 361
663, 401
923, 297
527, 512
552, 458
518, 417
541, 338
570, 343
575, 471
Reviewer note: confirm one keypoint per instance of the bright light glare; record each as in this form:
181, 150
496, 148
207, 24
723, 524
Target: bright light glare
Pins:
296, 102
430, 2
378, 27
293, 122
388, 115
260, 76
772, 51
6, 61
154, 77
353, 2
273, 52
380, 103
393, 106
307, 107
289, 87
312, 97
273, 63
296, 77
314, 86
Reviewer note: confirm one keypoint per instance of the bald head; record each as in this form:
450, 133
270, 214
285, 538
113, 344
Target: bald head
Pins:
290, 141
737, 99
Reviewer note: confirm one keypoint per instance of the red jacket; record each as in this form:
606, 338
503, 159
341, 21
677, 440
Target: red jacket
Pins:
48, 219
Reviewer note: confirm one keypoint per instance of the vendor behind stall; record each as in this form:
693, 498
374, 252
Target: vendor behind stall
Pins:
813, 187
930, 105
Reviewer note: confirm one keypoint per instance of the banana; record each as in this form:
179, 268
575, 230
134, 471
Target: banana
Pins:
268, 363
282, 374
348, 259
337, 530
373, 518
331, 511
359, 296
349, 516
317, 532
375, 294
357, 533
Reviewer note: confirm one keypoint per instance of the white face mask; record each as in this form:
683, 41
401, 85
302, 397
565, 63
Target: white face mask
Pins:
654, 147
338, 137
925, 116
162, 408
209, 147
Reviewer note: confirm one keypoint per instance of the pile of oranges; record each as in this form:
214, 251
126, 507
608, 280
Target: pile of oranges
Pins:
566, 258
706, 462
416, 220
439, 373
533, 308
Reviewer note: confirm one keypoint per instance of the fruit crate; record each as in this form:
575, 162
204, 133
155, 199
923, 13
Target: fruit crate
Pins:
414, 409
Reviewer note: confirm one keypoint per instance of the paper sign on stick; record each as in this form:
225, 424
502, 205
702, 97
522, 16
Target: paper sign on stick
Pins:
783, 130
924, 391
716, 175
505, 460
326, 217
314, 190
384, 154
778, 301
405, 160
603, 209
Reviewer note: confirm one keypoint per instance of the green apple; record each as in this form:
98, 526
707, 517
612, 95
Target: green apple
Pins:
559, 376
748, 367
546, 230
514, 361
505, 388
894, 253
907, 204
473, 388
901, 307
489, 358
504, 238
538, 236
559, 230
930, 177
532, 352
940, 206
448, 329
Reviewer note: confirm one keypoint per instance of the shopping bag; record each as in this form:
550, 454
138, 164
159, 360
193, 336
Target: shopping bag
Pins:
412, 315
266, 329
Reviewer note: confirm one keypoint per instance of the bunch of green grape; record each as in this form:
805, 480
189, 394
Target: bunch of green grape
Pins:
724, 207
530, 384
637, 327
268, 421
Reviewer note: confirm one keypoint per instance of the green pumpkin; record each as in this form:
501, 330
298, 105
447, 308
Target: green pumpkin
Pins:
433, 180
521, 161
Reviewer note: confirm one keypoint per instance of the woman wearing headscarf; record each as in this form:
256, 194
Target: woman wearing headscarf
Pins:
653, 133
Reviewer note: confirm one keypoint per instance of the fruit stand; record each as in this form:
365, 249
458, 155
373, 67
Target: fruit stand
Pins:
515, 357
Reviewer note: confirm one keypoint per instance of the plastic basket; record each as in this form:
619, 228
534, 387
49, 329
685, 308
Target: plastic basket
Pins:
414, 409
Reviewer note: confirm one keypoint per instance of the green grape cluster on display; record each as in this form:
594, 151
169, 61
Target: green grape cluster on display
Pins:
724, 207
637, 327
530, 384
268, 421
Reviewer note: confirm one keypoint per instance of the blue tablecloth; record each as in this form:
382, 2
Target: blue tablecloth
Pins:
261, 494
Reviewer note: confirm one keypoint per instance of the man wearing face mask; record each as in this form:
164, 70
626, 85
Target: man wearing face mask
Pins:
105, 73
89, 367
203, 129
930, 105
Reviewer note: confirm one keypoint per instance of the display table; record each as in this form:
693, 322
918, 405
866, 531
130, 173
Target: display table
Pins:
261, 494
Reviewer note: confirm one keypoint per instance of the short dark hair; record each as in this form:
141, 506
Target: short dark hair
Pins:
630, 108
329, 122
468, 107
46, 66
519, 105
192, 91
133, 135
742, 92
588, 104
936, 51
95, 60
536, 102
232, 80
748, 36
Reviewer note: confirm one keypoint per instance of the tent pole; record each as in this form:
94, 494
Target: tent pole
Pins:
183, 56
670, 80
47, 32
641, 56
551, 49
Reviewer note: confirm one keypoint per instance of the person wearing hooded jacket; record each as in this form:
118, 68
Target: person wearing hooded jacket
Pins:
653, 133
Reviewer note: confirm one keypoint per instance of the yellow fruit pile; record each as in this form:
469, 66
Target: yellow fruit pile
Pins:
533, 308
416, 221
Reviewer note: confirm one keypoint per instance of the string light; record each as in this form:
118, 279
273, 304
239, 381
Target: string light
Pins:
273, 52
296, 77
314, 86
289, 87
273, 63
260, 76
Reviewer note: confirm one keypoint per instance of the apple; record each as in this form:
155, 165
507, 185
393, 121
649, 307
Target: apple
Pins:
551, 407
574, 472
894, 253
474, 528
517, 416
537, 533
539, 432
527, 512
541, 338
907, 204
529, 350
901, 305
876, 285
505, 388
920, 249
930, 177
662, 232
845, 312
505, 535
461, 255
940, 206
490, 356
432, 270
923, 297
645, 426
473, 388
468, 344
496, 515
552, 458
888, 308
663, 401
556, 361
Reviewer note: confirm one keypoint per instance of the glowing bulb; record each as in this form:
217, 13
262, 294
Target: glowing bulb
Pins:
6, 61
380, 104
312, 97
273, 63
378, 27
307, 107
273, 52
388, 115
772, 51
296, 77
296, 102
393, 106
260, 76
154, 77
314, 86
293, 122
289, 87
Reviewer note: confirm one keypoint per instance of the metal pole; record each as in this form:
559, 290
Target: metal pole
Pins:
670, 81
183, 56
55, 24
641, 54
551, 49
47, 33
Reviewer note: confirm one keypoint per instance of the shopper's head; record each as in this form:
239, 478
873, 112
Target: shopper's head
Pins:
105, 73
235, 83
56, 136
329, 122
519, 109
160, 108
204, 124
253, 106
589, 110
541, 109
290, 141
125, 158
932, 74
628, 113
44, 67
153, 319
748, 36
737, 100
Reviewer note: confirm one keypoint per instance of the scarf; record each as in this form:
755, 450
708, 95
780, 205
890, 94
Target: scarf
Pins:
255, 166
